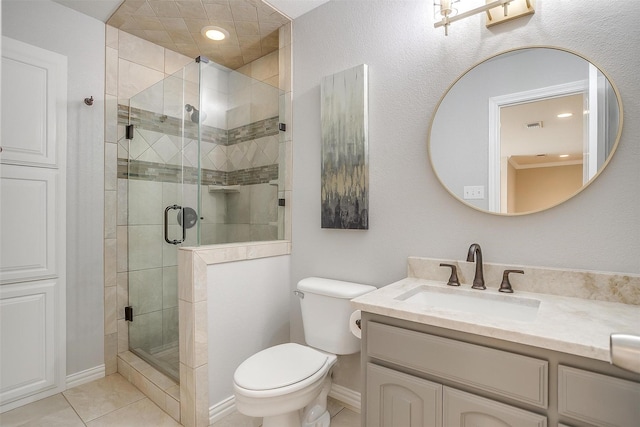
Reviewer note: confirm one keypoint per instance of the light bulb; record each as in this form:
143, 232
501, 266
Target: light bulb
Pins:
215, 33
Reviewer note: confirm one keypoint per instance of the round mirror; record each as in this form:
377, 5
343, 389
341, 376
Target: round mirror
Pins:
525, 130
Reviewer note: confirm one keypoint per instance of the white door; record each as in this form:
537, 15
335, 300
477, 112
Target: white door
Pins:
32, 223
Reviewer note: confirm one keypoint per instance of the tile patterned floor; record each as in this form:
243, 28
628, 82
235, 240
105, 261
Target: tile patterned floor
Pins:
114, 402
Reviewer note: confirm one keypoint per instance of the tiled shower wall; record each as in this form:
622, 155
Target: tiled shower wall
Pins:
132, 66
240, 161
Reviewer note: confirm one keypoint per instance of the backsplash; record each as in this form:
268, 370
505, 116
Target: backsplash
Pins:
602, 286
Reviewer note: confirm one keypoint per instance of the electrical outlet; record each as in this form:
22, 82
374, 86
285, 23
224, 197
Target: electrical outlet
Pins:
473, 192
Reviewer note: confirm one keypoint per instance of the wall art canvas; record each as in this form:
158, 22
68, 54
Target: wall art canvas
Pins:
345, 150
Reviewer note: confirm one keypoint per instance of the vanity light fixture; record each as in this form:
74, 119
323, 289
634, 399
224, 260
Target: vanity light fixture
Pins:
564, 115
497, 11
214, 33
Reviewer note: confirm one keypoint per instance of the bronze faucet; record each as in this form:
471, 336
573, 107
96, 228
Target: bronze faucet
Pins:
478, 280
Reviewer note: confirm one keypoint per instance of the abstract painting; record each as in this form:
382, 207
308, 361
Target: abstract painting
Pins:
345, 150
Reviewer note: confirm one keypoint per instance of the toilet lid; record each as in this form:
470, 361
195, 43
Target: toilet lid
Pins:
279, 366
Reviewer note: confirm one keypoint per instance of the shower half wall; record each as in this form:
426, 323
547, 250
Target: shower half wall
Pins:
223, 162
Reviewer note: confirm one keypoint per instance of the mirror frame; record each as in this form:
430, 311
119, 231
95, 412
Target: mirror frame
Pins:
584, 186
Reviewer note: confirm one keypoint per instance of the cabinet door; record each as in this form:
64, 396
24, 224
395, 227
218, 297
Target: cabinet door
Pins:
34, 85
29, 221
28, 315
467, 410
32, 224
598, 399
395, 399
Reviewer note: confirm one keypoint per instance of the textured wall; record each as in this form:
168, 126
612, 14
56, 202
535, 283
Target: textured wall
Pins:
411, 65
247, 313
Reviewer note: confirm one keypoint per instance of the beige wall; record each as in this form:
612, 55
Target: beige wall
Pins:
538, 188
511, 188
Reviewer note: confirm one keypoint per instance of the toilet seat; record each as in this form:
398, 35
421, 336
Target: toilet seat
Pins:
278, 367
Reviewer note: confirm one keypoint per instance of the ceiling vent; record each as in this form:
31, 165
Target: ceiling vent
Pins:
534, 125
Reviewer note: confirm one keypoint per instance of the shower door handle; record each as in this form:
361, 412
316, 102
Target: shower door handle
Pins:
166, 226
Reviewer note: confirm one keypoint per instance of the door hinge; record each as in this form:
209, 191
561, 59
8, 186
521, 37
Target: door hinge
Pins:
128, 314
128, 132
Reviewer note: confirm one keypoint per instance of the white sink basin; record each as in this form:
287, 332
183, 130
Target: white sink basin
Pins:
476, 302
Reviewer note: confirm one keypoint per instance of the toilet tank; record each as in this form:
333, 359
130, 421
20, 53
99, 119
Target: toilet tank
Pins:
325, 313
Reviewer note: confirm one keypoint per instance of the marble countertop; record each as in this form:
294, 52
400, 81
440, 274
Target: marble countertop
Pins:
571, 325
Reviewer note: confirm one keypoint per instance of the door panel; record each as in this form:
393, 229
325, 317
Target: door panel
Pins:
28, 328
32, 224
33, 104
28, 223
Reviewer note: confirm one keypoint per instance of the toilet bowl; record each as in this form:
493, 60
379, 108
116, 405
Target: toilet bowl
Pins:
277, 383
288, 384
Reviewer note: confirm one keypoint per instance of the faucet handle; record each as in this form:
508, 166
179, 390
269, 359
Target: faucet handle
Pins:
453, 279
505, 286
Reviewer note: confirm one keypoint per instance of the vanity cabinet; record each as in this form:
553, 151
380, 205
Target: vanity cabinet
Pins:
417, 375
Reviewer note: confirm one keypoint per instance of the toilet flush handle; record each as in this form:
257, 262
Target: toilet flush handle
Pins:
299, 294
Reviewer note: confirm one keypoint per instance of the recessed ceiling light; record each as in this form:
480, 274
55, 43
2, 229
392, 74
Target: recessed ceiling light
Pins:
215, 33
564, 115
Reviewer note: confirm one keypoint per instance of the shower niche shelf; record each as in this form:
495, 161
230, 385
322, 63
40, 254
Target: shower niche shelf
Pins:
224, 189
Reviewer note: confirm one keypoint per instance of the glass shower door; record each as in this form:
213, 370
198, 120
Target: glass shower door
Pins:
162, 205
241, 152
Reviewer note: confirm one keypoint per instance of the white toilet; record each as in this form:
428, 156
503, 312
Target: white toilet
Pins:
288, 384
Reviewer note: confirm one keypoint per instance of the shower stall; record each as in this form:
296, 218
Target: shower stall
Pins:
202, 166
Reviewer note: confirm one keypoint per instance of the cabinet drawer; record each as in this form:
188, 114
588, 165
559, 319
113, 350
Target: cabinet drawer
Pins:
467, 410
517, 377
598, 399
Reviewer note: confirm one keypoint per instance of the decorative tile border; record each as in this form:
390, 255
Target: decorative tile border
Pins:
149, 171
255, 130
257, 175
173, 126
170, 125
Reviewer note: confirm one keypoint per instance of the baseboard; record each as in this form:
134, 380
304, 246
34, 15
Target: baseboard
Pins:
340, 393
347, 396
222, 409
85, 376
